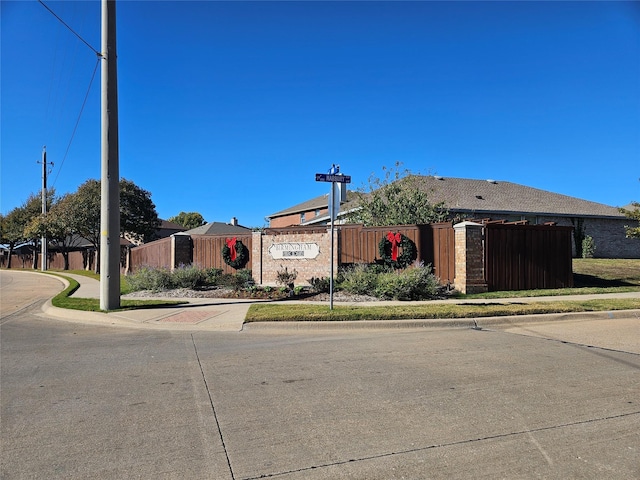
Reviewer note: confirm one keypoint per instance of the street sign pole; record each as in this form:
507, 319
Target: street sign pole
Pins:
332, 214
334, 176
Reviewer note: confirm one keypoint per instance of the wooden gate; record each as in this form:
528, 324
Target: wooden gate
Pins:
526, 257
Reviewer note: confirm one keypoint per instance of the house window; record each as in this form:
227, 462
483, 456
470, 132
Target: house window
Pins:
302, 217
317, 212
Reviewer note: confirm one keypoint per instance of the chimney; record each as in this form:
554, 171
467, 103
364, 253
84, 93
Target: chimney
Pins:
234, 221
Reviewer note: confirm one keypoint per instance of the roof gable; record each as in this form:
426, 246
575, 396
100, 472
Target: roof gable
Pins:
318, 202
218, 228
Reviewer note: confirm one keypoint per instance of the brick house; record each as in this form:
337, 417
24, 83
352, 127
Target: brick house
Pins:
498, 200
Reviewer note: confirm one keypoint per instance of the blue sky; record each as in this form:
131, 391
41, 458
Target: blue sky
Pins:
230, 108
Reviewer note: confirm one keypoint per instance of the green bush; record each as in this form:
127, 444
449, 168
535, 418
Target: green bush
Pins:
150, 278
588, 247
245, 277
239, 280
188, 276
319, 285
286, 278
360, 279
214, 276
413, 283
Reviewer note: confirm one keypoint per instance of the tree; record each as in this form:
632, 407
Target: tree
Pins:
400, 198
12, 230
632, 232
61, 226
188, 220
25, 224
84, 205
138, 216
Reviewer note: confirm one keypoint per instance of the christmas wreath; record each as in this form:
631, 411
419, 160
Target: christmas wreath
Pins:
389, 248
234, 253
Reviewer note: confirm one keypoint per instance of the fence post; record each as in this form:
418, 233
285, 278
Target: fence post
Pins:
469, 258
180, 250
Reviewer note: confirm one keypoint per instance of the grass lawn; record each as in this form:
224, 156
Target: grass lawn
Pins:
606, 272
64, 300
591, 276
282, 311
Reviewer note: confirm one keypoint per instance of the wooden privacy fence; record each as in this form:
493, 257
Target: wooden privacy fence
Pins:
78, 260
84, 259
499, 257
205, 251
526, 257
434, 242
155, 254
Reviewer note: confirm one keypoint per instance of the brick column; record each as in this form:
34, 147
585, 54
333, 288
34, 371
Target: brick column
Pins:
469, 258
256, 257
180, 250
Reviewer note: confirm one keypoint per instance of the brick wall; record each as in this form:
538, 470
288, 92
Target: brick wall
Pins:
608, 235
285, 221
265, 267
295, 218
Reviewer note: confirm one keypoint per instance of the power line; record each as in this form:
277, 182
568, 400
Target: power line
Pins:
84, 102
71, 29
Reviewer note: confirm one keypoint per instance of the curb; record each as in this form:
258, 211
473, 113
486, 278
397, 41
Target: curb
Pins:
474, 323
83, 316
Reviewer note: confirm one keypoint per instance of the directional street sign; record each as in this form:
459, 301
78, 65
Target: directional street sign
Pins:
327, 177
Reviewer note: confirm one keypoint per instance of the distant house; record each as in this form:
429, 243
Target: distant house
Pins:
220, 228
497, 200
167, 228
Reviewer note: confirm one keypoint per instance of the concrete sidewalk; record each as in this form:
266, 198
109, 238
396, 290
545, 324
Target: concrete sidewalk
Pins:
223, 314
211, 314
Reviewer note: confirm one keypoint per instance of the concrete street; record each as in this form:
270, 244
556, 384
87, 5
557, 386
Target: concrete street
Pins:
84, 399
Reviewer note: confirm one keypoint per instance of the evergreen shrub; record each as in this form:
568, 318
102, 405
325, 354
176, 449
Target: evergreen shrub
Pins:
414, 283
150, 278
188, 276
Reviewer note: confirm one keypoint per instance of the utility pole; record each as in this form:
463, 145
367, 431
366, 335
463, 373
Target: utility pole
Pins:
110, 174
43, 239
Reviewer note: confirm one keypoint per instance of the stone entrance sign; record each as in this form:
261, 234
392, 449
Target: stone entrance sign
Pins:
294, 250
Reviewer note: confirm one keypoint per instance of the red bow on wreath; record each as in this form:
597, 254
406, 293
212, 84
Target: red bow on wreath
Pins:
395, 240
231, 243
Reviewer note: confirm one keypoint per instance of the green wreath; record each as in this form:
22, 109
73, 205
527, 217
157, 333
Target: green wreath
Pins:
404, 258
242, 255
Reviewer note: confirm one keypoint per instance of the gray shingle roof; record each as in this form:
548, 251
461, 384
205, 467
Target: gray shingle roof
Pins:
483, 196
218, 228
460, 194
318, 202
166, 224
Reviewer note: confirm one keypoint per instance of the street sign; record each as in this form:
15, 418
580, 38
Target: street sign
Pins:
334, 176
327, 177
